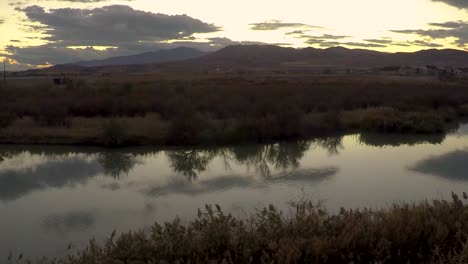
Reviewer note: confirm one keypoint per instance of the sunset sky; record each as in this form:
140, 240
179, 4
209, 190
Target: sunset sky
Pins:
46, 32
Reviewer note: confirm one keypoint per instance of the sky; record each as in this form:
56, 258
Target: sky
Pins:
41, 33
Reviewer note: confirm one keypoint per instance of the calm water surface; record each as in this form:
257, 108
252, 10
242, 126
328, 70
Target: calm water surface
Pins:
53, 196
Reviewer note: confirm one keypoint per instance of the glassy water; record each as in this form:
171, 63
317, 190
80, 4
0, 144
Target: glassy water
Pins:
53, 196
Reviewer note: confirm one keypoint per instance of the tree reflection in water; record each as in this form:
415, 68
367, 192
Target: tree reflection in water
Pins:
116, 164
261, 158
332, 144
190, 162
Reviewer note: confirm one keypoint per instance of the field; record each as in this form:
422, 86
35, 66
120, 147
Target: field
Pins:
220, 108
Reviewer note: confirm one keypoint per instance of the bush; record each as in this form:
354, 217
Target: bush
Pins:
114, 133
384, 119
6, 119
53, 115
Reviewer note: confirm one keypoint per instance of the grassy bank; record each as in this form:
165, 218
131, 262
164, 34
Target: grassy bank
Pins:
427, 232
224, 109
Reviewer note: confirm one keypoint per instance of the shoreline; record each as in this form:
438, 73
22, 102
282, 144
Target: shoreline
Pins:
135, 140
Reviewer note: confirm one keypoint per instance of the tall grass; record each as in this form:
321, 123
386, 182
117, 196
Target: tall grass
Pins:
426, 232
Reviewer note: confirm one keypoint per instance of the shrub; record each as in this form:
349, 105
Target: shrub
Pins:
384, 119
114, 133
6, 119
53, 115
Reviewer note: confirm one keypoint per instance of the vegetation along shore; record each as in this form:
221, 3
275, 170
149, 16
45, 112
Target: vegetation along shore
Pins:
425, 232
224, 108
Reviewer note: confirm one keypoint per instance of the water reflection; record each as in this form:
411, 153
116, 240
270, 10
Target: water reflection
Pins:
116, 164
281, 156
68, 222
58, 167
452, 166
22, 172
332, 144
53, 173
190, 162
284, 156
307, 175
224, 183
392, 140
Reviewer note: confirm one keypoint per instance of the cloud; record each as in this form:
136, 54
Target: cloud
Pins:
112, 25
2, 20
364, 45
87, 1
450, 24
124, 30
423, 43
52, 54
327, 40
296, 32
380, 41
277, 24
456, 3
451, 29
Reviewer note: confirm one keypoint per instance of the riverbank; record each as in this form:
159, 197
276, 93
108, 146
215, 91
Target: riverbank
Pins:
426, 232
225, 109
152, 130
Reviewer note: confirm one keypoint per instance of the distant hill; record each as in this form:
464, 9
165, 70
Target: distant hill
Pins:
263, 57
160, 56
274, 56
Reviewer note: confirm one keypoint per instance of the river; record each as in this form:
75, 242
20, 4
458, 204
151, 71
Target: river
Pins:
51, 196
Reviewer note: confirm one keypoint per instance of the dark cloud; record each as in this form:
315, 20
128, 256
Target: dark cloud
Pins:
53, 54
16, 4
449, 25
323, 40
296, 32
334, 40
277, 24
423, 43
457, 3
380, 41
455, 29
126, 30
325, 37
112, 25
364, 45
2, 20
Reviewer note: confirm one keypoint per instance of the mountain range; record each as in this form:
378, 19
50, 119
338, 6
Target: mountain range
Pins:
263, 57
160, 56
